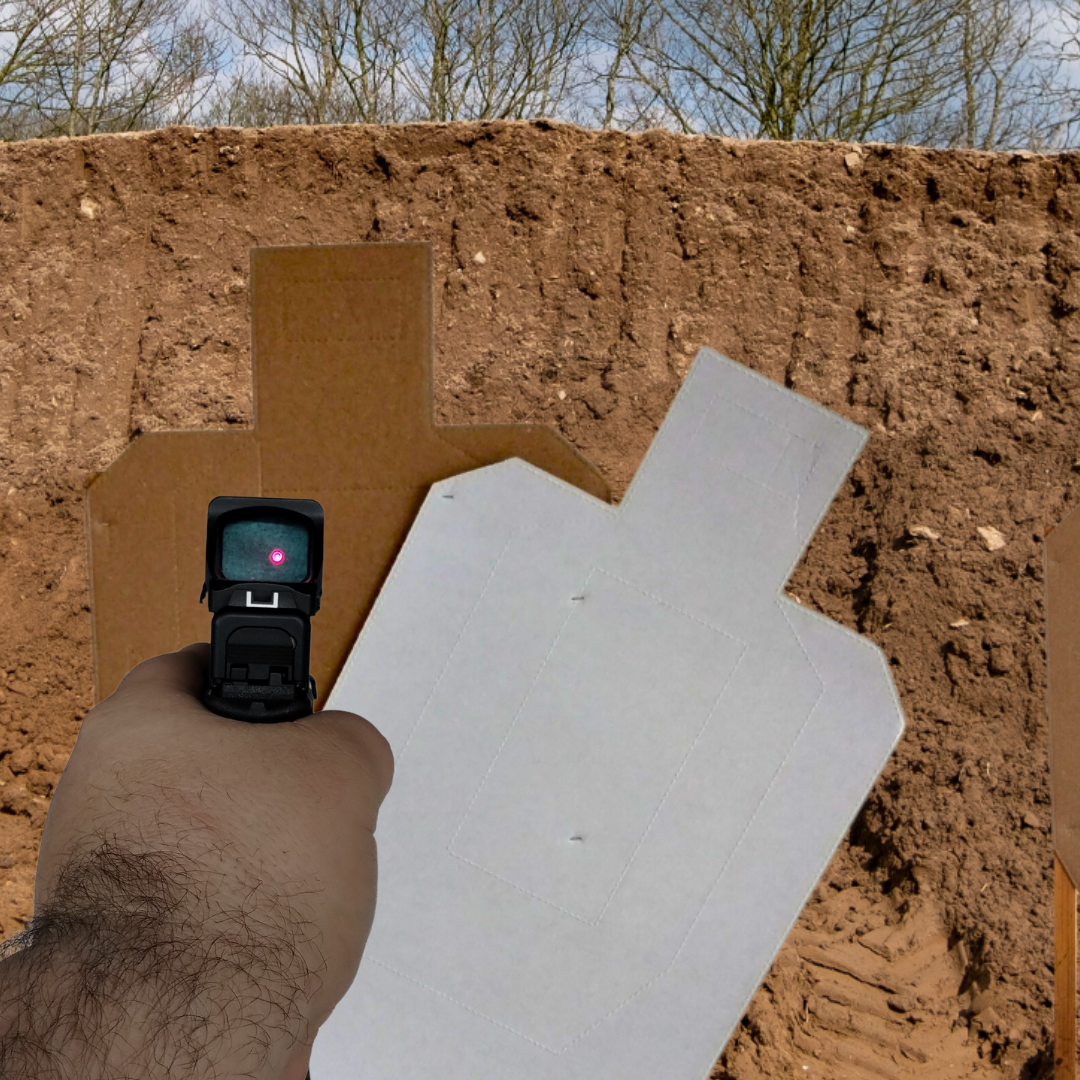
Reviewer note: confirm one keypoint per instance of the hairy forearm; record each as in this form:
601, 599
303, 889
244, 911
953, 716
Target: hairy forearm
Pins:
134, 969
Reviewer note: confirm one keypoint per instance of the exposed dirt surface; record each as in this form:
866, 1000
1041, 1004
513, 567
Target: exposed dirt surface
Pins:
930, 296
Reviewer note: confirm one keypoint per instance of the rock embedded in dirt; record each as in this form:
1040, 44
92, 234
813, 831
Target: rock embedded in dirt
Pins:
923, 532
991, 538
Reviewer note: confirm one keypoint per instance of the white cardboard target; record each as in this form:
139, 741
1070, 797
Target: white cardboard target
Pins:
623, 758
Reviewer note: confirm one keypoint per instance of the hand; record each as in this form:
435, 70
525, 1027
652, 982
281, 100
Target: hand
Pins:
274, 824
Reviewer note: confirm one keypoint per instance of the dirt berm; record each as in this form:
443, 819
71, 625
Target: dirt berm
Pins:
930, 296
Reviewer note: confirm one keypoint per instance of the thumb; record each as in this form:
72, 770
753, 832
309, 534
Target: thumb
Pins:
356, 737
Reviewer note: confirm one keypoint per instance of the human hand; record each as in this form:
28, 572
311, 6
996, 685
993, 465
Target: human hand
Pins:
245, 852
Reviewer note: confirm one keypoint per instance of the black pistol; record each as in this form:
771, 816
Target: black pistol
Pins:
264, 583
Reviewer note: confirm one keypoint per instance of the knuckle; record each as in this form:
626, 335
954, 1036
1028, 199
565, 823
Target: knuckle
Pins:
363, 741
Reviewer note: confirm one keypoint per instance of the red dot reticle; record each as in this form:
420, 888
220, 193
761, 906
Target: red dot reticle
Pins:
277, 556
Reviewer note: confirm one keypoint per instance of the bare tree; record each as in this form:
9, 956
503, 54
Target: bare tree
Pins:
391, 61
251, 97
626, 18
118, 65
1063, 46
496, 59
958, 72
633, 87
439, 55
530, 73
786, 69
24, 40
374, 61
940, 72
1006, 87
329, 61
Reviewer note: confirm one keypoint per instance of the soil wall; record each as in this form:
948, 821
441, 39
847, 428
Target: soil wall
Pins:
930, 296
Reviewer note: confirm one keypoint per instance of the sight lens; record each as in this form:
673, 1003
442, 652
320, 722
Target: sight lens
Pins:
264, 549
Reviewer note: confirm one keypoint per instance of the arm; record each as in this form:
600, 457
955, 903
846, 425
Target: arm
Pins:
132, 970
204, 890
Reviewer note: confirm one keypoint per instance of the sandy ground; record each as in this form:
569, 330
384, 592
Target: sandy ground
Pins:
926, 295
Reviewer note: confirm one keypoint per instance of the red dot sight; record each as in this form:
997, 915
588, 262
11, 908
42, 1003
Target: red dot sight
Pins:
264, 582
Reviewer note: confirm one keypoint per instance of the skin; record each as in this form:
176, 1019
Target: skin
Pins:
273, 820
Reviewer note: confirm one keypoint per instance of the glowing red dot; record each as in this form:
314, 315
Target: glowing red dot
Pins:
277, 556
